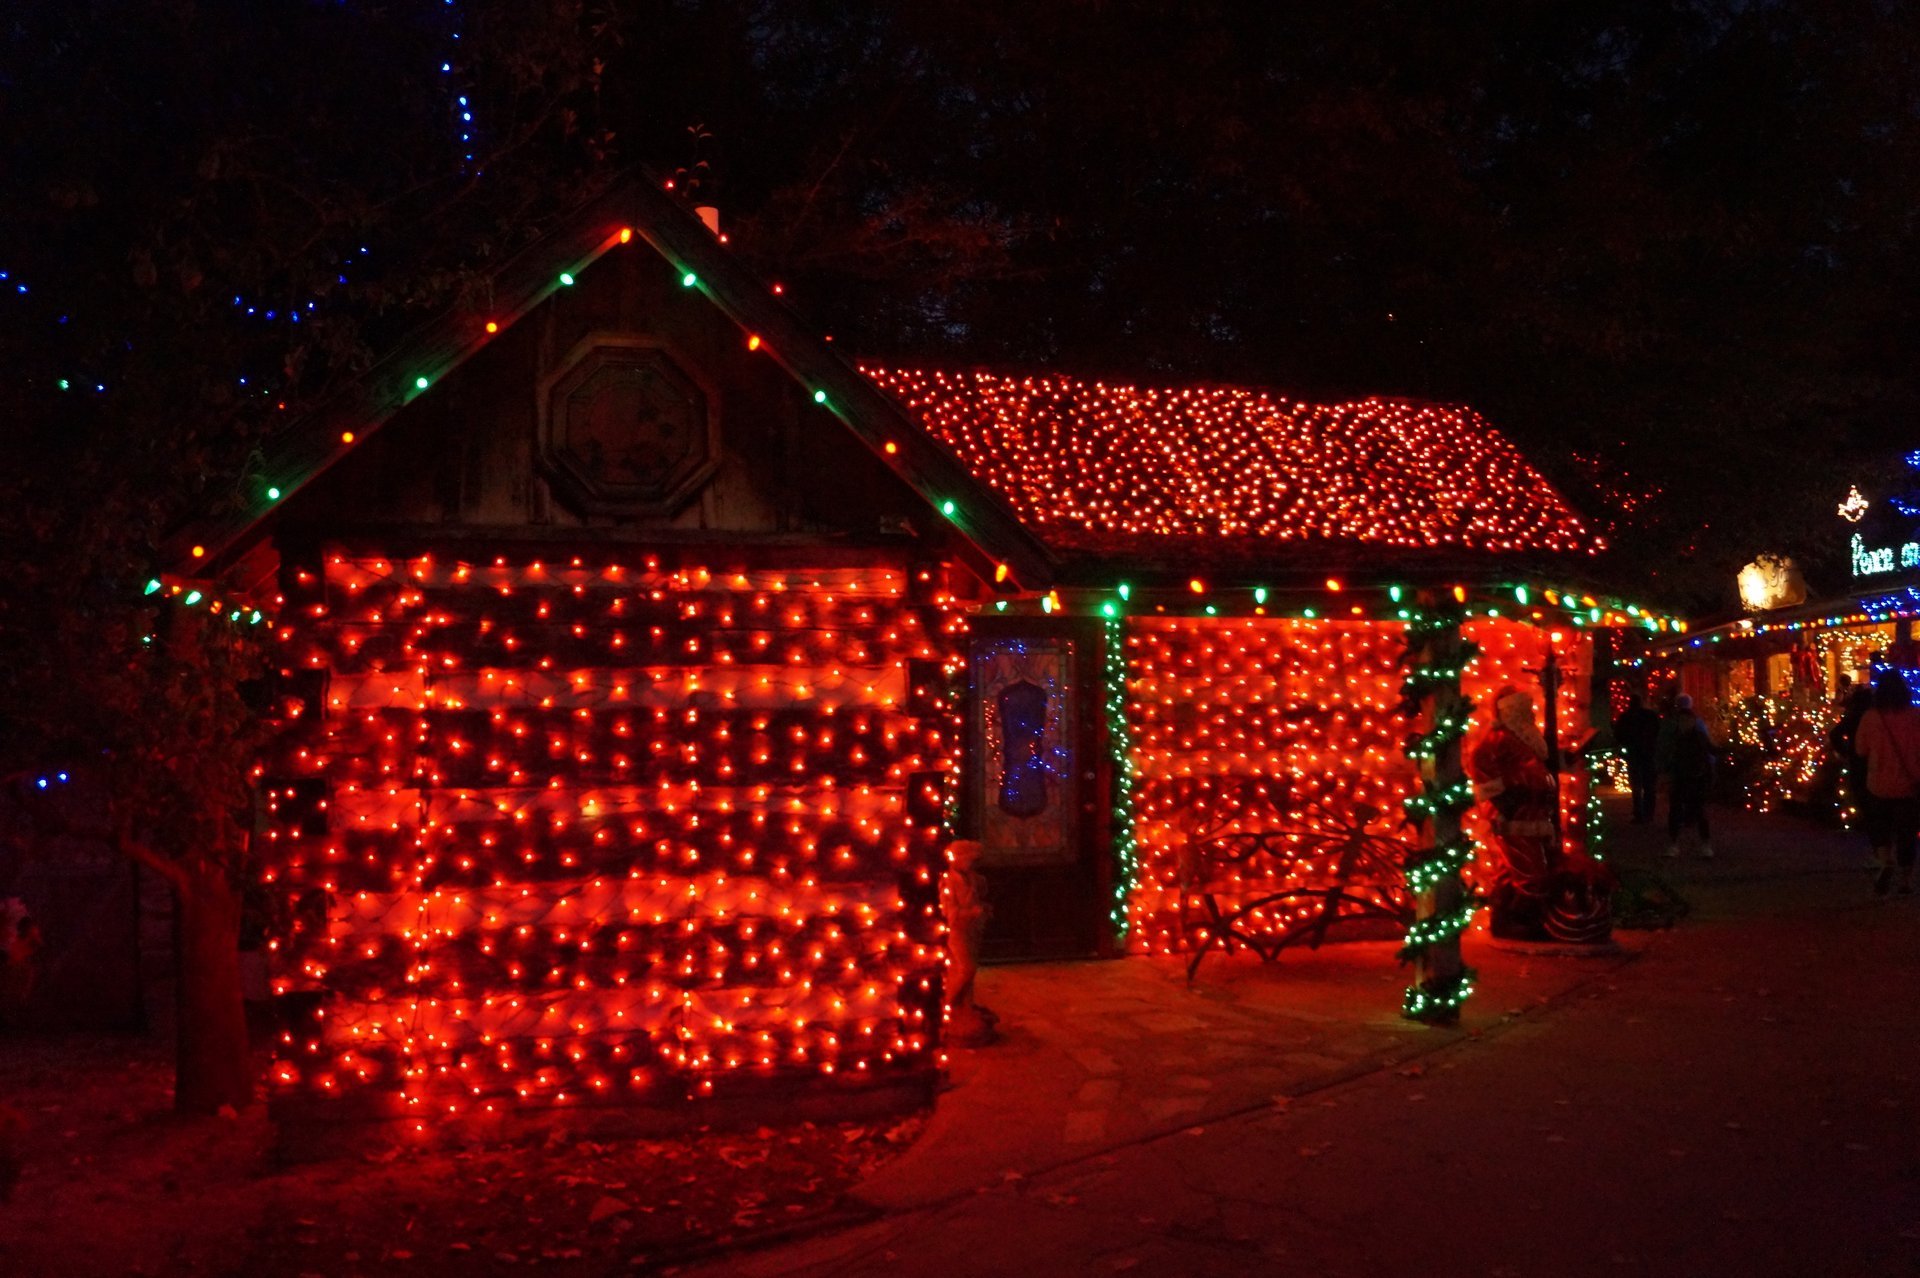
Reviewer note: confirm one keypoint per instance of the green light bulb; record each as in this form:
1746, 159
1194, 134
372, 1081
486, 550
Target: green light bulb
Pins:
1259, 594
566, 278
1126, 591
65, 384
153, 587
419, 383
947, 508
193, 597
273, 494
1109, 609
689, 280
1520, 593
254, 620
819, 397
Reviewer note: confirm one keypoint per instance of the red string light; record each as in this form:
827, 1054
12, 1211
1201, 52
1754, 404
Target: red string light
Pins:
1258, 726
557, 833
569, 833
1114, 467
1292, 729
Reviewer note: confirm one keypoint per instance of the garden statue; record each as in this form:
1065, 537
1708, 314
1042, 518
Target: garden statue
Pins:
1542, 891
963, 902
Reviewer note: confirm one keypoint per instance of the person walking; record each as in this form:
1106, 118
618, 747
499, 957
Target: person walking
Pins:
1685, 754
1638, 732
1889, 740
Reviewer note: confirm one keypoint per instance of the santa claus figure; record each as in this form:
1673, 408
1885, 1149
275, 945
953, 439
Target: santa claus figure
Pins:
1542, 891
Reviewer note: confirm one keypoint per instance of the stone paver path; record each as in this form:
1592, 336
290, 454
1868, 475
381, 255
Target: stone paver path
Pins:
1739, 1098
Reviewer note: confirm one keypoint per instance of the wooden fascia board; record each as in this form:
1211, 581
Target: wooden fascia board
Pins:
629, 208
979, 515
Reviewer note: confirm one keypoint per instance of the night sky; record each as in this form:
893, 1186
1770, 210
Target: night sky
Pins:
1664, 245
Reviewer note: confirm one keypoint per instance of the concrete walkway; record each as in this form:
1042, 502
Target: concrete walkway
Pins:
1740, 1099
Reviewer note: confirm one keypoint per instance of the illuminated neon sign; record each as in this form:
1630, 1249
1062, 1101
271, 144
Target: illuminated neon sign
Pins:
1869, 561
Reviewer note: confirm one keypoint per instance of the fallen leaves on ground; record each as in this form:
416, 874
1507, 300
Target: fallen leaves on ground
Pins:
207, 1197
587, 1207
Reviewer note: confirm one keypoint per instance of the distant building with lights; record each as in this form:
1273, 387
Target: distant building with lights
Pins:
1771, 683
640, 656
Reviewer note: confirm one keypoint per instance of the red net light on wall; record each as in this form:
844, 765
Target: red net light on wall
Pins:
1270, 766
560, 833
1268, 763
1102, 467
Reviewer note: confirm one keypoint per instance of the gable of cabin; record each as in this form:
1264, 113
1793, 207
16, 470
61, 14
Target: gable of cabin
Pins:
623, 406
614, 675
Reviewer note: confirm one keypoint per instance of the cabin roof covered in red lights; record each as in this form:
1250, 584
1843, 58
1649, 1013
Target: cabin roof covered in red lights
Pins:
1106, 467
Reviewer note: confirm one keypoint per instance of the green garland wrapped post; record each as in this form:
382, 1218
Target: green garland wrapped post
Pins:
1120, 742
1436, 656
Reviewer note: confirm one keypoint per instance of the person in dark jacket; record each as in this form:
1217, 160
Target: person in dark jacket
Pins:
1686, 757
1638, 732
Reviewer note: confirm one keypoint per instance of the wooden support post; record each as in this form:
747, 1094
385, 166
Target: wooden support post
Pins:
1431, 697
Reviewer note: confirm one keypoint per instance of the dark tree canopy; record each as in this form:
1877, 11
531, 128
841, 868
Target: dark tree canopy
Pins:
1667, 244
211, 213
